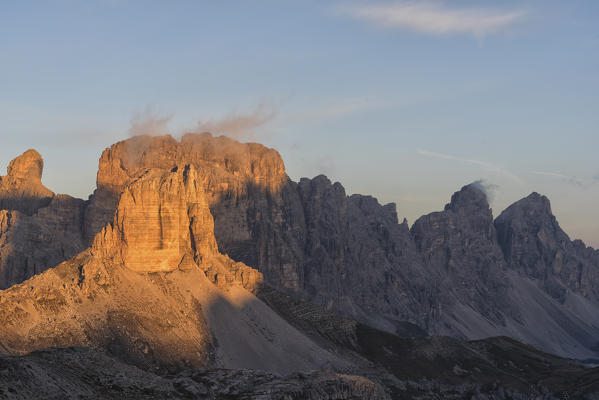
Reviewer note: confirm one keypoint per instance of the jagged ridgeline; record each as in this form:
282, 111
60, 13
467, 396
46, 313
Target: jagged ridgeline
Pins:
202, 254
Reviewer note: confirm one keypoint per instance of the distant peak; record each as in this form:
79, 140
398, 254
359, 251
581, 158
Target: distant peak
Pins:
28, 165
539, 198
469, 197
534, 202
322, 179
21, 189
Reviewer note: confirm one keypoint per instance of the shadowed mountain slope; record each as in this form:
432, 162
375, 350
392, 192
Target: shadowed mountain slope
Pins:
486, 287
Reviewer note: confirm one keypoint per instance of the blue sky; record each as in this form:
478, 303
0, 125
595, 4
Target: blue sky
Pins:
407, 101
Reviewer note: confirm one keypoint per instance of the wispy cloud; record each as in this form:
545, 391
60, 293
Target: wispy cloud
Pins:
239, 126
573, 180
488, 188
487, 166
435, 18
148, 122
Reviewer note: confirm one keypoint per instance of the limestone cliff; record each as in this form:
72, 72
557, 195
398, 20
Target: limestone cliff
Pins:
227, 167
38, 229
309, 239
163, 223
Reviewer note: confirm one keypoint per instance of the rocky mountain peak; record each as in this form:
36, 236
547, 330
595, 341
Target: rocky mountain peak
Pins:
533, 206
470, 198
535, 245
460, 244
529, 216
21, 189
532, 239
28, 165
227, 165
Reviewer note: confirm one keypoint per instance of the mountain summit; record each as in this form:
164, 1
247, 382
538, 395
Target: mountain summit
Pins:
21, 189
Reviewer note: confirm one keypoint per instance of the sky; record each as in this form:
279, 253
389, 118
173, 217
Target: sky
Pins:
404, 100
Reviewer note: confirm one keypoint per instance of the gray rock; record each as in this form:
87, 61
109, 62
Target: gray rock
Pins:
460, 244
519, 276
535, 245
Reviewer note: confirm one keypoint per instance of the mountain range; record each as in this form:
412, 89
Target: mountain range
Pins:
199, 269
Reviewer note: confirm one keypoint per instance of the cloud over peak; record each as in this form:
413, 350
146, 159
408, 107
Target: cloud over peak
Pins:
435, 18
485, 165
239, 126
147, 122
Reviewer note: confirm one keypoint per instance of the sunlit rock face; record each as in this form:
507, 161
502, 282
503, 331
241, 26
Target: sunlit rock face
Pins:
28, 166
38, 229
255, 206
163, 223
160, 219
227, 167
155, 290
21, 189
309, 239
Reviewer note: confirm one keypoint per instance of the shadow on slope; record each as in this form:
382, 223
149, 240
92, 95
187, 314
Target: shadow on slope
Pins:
164, 320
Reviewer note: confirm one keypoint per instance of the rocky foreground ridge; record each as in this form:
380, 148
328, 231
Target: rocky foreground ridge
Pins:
199, 254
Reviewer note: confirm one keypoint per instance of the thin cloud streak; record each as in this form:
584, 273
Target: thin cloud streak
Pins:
435, 18
497, 169
570, 179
